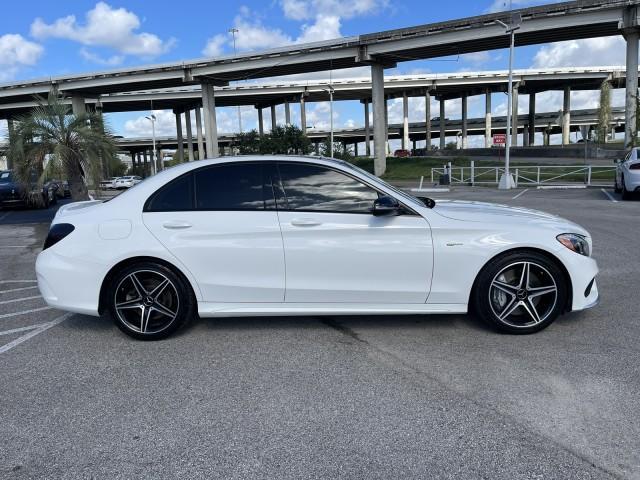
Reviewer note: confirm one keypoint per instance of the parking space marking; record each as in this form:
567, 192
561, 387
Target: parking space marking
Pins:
18, 281
34, 332
609, 195
18, 289
24, 312
14, 246
521, 193
14, 300
22, 329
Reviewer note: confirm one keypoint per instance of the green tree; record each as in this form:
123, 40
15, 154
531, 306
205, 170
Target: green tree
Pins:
73, 144
284, 140
117, 167
340, 150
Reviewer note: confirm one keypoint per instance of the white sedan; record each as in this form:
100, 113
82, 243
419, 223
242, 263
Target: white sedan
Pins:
627, 180
307, 236
127, 182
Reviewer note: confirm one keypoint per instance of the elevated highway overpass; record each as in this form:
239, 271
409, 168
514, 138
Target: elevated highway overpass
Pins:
380, 50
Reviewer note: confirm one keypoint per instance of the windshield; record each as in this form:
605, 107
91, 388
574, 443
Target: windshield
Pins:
396, 190
5, 177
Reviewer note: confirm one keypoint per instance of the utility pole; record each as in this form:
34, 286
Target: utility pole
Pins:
233, 32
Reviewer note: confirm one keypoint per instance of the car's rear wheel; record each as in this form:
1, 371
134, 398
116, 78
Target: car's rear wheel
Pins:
520, 293
149, 301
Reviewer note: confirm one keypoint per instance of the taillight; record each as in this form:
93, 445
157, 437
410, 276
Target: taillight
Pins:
635, 166
56, 233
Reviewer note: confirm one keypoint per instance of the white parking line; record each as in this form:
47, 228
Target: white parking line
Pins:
24, 312
18, 289
22, 329
14, 246
18, 281
14, 300
521, 193
33, 333
609, 195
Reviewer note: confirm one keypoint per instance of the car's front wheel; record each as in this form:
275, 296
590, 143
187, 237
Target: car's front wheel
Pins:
626, 194
149, 301
520, 293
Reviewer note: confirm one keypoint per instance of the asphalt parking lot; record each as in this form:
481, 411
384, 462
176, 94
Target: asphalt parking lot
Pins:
340, 397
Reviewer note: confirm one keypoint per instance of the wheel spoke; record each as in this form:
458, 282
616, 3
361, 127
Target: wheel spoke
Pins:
505, 287
531, 310
537, 292
142, 292
509, 308
144, 318
524, 278
156, 292
135, 303
158, 307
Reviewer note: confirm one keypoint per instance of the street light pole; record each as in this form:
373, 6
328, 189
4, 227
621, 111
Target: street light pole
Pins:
330, 91
233, 32
154, 160
506, 181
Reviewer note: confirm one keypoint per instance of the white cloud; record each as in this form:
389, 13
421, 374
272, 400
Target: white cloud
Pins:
105, 26
310, 9
324, 28
17, 52
501, 5
215, 45
93, 57
582, 53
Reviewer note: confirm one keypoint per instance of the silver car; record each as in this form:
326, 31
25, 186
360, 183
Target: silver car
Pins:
627, 180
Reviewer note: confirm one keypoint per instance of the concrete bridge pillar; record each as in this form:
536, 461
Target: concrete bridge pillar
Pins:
355, 149
287, 113
405, 121
631, 34
488, 138
210, 122
178, 115
187, 119
443, 133
367, 129
525, 135
566, 114
201, 154
514, 116
273, 117
378, 102
427, 120
303, 114
77, 105
464, 121
532, 118
260, 121
11, 132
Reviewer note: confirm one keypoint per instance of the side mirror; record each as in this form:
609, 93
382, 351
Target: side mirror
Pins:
386, 206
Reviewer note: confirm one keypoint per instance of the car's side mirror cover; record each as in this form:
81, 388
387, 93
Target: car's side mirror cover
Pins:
386, 205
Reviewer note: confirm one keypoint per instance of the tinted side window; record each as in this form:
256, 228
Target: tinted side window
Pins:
317, 188
235, 186
173, 197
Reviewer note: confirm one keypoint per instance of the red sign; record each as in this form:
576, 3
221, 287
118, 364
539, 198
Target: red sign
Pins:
499, 139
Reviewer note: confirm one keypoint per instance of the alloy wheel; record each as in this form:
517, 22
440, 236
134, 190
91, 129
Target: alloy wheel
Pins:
146, 301
523, 294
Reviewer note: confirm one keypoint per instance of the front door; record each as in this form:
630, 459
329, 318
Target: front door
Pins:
337, 251
220, 222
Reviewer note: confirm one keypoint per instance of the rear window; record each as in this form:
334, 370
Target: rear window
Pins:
176, 196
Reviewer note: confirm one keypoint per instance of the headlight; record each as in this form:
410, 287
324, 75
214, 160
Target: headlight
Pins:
574, 242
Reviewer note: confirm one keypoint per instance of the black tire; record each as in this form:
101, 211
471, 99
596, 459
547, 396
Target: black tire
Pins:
490, 301
121, 298
626, 194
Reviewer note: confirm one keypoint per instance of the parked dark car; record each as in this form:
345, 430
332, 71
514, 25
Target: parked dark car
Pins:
14, 194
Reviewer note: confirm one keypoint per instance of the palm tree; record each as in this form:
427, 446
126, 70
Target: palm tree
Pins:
73, 144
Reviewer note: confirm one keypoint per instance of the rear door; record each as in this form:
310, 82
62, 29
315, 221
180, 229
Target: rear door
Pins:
220, 222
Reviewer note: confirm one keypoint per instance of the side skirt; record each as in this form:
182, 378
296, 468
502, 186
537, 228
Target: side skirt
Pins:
206, 309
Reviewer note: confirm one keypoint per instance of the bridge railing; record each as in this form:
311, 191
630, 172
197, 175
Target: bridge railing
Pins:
527, 175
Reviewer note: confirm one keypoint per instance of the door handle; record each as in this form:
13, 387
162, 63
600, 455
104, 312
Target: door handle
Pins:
305, 222
175, 225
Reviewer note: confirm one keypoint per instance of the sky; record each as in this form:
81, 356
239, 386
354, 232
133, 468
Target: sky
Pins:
41, 38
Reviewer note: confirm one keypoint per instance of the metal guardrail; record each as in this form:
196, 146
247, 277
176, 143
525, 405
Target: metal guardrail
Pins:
527, 175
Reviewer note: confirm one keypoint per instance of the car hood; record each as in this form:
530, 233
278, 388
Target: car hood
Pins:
483, 212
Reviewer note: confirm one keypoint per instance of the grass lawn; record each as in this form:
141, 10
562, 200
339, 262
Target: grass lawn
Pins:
412, 168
